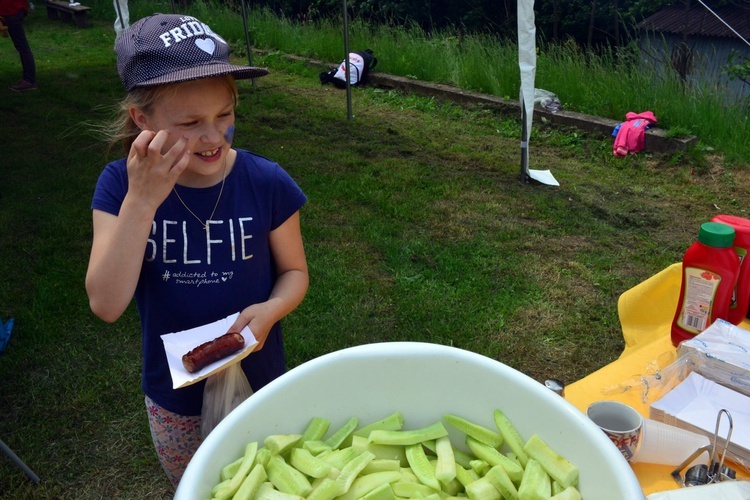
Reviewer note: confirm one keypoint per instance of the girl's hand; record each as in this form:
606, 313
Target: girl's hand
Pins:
259, 318
151, 174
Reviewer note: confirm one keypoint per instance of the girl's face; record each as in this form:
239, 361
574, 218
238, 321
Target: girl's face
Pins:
203, 112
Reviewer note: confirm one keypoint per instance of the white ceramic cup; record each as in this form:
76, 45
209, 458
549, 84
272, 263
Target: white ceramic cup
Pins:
621, 423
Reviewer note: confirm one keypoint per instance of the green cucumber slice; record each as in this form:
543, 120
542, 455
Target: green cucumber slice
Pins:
569, 493
445, 470
266, 491
536, 483
482, 489
404, 438
286, 478
384, 492
316, 429
251, 483
493, 457
500, 480
305, 462
393, 422
370, 482
555, 465
421, 466
352, 469
278, 444
247, 463
465, 476
478, 432
342, 433
511, 436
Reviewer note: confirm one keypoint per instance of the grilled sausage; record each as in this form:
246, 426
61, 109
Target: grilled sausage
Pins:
213, 350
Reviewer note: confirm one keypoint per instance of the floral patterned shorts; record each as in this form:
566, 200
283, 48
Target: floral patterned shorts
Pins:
176, 438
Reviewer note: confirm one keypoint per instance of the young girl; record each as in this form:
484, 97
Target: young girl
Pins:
192, 228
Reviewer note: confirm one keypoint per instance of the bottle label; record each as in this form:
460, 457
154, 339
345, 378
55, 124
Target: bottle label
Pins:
700, 289
742, 254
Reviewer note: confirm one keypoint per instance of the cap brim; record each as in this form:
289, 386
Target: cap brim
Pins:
205, 71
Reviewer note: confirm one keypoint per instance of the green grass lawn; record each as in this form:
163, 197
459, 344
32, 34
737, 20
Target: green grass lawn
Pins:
417, 228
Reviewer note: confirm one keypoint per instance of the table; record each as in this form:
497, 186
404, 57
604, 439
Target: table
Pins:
646, 313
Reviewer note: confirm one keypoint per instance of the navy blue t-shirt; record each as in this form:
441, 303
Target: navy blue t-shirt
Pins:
191, 276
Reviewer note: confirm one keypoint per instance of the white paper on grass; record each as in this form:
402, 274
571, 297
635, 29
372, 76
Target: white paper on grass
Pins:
180, 343
544, 176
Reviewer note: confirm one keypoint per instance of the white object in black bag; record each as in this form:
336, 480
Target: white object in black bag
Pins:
360, 64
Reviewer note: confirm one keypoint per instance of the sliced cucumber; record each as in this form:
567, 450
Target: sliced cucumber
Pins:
286, 478
384, 492
247, 463
266, 491
482, 489
251, 483
555, 465
393, 422
421, 466
278, 444
316, 429
445, 470
342, 433
404, 438
230, 470
569, 493
494, 457
381, 451
305, 462
500, 480
478, 432
352, 469
370, 482
536, 483
382, 465
511, 436
466, 475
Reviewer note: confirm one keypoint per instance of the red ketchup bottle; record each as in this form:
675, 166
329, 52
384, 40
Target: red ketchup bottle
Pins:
710, 270
738, 310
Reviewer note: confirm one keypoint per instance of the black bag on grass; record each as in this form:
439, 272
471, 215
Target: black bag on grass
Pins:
360, 64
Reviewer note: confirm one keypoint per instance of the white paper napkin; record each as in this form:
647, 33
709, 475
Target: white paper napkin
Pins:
180, 343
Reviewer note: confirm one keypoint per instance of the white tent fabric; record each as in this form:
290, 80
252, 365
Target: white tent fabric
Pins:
527, 65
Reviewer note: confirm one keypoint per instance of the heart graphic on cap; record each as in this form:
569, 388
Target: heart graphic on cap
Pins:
206, 45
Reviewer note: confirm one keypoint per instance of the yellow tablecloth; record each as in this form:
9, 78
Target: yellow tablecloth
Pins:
646, 313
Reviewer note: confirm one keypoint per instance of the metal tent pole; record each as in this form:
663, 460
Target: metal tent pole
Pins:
119, 14
346, 63
524, 146
29, 473
247, 38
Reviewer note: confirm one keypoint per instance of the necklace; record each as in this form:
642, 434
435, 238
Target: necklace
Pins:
210, 217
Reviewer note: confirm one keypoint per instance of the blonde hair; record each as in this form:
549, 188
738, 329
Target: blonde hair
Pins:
123, 130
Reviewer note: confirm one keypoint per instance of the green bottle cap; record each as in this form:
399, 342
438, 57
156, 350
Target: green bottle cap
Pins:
716, 234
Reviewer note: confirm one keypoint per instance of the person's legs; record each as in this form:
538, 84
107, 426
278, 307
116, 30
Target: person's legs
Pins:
18, 36
176, 438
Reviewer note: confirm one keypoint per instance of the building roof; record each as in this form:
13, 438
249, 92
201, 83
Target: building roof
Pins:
671, 19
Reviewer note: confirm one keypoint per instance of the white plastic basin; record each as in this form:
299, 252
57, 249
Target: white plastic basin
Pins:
423, 381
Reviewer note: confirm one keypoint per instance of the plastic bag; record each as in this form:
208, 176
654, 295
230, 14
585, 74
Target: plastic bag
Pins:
547, 100
224, 391
661, 376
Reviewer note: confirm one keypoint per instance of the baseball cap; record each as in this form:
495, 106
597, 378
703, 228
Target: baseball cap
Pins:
171, 48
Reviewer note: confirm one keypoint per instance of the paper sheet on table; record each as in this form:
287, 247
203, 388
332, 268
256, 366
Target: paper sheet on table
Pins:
697, 402
179, 343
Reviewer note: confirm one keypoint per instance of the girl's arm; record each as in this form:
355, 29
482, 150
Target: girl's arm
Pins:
291, 282
120, 240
